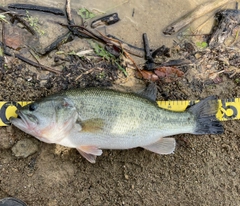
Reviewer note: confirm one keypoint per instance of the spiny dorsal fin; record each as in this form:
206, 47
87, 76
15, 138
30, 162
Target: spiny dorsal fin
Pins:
150, 92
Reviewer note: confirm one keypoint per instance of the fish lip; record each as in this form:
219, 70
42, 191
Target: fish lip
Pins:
20, 118
27, 118
23, 118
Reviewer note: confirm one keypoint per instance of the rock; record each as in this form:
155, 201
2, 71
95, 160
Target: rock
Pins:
24, 148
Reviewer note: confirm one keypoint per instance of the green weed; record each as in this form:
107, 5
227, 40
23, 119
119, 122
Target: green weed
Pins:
102, 52
3, 18
86, 14
34, 23
202, 45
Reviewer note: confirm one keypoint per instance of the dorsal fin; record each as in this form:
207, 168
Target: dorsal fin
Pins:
150, 92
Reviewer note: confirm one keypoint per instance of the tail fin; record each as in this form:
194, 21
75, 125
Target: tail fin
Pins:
205, 114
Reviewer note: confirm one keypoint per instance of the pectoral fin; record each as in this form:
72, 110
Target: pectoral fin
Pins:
89, 152
92, 125
163, 146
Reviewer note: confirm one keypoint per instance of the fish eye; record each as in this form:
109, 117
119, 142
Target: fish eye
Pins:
32, 107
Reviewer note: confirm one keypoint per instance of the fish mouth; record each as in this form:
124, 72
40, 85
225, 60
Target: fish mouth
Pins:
23, 120
20, 120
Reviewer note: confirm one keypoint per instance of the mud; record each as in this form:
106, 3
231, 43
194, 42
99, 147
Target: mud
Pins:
204, 170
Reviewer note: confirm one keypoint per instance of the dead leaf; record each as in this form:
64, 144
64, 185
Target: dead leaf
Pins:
13, 41
168, 74
148, 75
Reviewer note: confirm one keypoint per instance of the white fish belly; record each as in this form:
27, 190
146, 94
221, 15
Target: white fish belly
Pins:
124, 136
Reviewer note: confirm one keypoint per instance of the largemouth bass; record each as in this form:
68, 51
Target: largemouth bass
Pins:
93, 119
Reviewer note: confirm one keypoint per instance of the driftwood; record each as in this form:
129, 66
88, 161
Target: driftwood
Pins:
196, 13
105, 20
33, 7
227, 20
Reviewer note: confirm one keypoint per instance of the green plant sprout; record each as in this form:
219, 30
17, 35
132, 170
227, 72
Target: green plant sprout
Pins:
86, 14
202, 45
3, 18
33, 21
1, 52
100, 51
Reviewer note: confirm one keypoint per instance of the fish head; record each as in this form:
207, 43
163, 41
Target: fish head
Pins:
49, 119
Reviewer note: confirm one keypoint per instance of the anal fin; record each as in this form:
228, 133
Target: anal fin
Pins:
163, 146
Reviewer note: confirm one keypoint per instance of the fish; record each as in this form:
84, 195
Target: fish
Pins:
93, 119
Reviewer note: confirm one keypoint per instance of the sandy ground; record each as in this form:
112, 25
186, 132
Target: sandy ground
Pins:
204, 170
